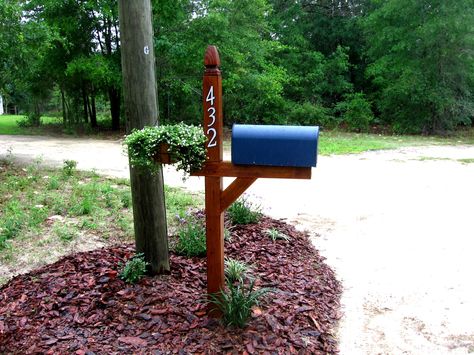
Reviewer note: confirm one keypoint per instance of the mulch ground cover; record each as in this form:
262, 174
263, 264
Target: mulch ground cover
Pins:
79, 305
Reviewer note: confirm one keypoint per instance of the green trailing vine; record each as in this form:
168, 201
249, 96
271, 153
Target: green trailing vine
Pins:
186, 146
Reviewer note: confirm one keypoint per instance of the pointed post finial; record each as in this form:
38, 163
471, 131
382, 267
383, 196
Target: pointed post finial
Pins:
211, 58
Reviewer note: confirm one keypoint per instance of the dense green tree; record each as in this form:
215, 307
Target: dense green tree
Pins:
422, 54
253, 84
82, 56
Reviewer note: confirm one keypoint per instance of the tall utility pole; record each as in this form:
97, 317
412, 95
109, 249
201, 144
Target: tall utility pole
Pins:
141, 109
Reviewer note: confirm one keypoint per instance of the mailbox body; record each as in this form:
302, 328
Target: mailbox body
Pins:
294, 146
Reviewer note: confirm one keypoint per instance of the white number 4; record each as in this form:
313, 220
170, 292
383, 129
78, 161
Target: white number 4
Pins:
210, 96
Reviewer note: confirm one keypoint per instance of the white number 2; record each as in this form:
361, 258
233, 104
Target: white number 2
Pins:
212, 140
210, 96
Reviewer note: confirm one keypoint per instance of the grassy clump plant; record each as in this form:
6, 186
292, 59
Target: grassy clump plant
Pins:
243, 211
134, 270
191, 238
236, 302
235, 270
240, 296
186, 146
275, 234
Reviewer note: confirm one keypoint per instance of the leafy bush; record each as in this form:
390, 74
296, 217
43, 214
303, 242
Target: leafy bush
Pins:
310, 114
243, 211
236, 303
356, 112
69, 167
191, 238
31, 120
235, 270
186, 146
134, 269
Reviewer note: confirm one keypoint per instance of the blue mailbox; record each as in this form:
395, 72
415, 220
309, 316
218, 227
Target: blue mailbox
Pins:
294, 146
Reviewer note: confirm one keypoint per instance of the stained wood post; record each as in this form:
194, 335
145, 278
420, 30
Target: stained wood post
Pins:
213, 122
141, 109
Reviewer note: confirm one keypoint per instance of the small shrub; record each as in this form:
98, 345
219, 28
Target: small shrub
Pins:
126, 198
53, 183
134, 269
191, 238
83, 206
236, 271
275, 234
244, 212
12, 221
310, 115
64, 232
356, 112
31, 120
236, 303
69, 167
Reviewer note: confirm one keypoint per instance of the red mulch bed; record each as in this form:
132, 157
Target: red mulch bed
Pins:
79, 305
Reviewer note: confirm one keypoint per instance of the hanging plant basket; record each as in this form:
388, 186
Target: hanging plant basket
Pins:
163, 155
178, 144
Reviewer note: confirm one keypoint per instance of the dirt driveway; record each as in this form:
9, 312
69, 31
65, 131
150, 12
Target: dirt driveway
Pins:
395, 225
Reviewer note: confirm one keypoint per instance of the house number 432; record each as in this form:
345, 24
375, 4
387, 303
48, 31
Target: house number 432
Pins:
211, 131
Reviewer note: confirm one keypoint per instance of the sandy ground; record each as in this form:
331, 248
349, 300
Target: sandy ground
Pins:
395, 225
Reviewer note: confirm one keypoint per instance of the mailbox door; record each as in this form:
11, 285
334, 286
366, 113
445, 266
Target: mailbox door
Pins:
271, 145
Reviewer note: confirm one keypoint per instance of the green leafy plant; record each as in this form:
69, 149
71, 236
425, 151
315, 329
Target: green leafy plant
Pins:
275, 234
235, 270
12, 220
134, 269
64, 232
53, 183
243, 211
236, 303
356, 112
191, 238
69, 167
186, 146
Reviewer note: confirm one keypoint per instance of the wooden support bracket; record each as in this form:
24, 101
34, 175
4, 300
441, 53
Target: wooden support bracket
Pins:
234, 190
227, 169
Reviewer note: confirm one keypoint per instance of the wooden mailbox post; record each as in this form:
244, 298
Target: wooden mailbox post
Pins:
217, 198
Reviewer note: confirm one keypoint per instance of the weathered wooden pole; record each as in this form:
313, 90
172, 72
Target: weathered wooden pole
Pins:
141, 109
212, 104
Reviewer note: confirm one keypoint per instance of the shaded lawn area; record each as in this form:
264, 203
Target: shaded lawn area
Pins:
9, 125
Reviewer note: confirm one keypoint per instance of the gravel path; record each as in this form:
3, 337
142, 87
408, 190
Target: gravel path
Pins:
395, 225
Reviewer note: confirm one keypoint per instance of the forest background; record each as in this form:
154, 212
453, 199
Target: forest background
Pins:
398, 66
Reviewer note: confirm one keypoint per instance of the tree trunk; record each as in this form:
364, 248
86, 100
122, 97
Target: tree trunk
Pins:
84, 104
141, 109
114, 98
63, 102
93, 112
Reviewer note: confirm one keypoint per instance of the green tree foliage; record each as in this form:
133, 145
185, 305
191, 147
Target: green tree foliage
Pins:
253, 84
422, 54
356, 112
69, 45
311, 62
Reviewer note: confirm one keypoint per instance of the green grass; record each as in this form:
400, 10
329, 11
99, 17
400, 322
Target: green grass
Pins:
334, 142
47, 213
8, 125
